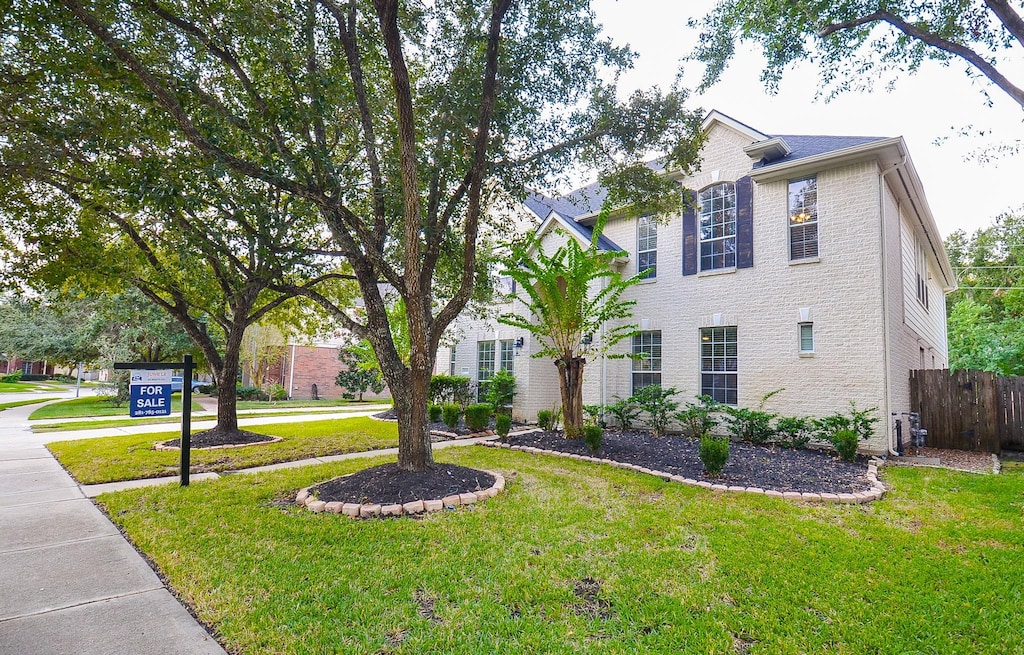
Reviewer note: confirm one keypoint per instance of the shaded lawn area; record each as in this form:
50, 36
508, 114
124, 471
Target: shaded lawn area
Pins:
109, 459
23, 387
96, 406
577, 557
19, 403
337, 402
120, 423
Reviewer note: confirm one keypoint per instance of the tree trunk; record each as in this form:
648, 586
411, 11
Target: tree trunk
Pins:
227, 396
414, 449
570, 378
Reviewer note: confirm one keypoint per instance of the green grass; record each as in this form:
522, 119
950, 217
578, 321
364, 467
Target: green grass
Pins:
936, 567
260, 404
120, 423
25, 387
92, 461
19, 403
95, 406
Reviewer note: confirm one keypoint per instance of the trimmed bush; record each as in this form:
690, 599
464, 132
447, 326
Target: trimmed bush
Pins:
451, 412
434, 412
11, 377
501, 389
250, 393
751, 425
544, 419
793, 431
478, 416
593, 436
714, 453
502, 424
845, 442
697, 418
625, 412
657, 403
450, 389
34, 377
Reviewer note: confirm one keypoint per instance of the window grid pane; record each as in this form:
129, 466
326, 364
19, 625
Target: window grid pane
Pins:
717, 226
647, 246
719, 362
647, 369
485, 360
508, 355
806, 337
803, 218
451, 362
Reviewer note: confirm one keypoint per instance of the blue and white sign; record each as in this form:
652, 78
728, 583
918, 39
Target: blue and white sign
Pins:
150, 393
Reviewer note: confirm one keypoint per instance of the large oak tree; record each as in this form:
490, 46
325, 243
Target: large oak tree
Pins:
400, 123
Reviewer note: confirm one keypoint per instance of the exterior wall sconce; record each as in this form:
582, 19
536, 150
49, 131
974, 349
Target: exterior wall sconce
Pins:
587, 339
518, 345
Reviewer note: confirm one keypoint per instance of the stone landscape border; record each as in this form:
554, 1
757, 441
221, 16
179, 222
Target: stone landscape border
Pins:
162, 445
412, 508
876, 492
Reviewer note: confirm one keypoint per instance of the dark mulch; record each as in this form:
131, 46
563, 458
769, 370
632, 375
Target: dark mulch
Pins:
440, 426
215, 437
387, 484
767, 467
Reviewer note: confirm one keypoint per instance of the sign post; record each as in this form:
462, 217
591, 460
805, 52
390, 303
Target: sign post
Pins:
150, 395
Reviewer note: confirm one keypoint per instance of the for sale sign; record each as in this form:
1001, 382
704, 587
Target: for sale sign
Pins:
150, 393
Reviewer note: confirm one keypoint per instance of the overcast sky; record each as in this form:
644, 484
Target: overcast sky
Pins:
935, 104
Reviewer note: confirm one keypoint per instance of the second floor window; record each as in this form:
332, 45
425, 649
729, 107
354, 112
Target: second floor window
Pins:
803, 218
921, 266
717, 229
647, 247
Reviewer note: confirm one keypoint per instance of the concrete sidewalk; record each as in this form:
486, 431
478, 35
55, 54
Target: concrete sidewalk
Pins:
71, 582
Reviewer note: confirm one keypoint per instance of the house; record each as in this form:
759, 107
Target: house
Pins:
806, 263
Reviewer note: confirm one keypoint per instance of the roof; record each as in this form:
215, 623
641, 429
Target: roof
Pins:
565, 212
812, 145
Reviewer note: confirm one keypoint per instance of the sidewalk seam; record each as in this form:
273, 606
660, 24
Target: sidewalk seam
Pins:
88, 602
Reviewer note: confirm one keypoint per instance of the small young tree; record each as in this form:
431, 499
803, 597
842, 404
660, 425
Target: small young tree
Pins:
566, 301
357, 376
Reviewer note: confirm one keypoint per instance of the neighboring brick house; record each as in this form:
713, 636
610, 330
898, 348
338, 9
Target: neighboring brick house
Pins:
16, 364
302, 366
810, 263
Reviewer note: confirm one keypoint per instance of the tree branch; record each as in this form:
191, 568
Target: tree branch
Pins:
1010, 19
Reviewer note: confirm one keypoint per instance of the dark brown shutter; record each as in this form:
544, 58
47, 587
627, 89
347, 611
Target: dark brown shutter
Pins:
744, 222
690, 235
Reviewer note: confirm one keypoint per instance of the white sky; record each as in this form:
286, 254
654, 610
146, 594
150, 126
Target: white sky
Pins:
936, 103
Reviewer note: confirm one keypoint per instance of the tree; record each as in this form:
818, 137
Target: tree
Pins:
361, 371
855, 41
262, 347
39, 329
399, 123
574, 308
986, 313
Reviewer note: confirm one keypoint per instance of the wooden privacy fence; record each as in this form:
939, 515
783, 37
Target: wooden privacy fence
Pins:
969, 410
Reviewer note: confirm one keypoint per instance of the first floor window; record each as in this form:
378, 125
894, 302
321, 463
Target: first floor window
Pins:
718, 359
508, 355
646, 359
807, 337
451, 362
484, 367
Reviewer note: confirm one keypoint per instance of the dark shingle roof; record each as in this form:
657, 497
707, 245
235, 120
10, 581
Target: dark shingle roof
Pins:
542, 206
810, 145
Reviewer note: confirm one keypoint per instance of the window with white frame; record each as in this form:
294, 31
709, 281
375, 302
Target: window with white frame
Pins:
485, 360
717, 229
507, 355
807, 337
647, 246
921, 265
718, 364
451, 361
646, 359
803, 218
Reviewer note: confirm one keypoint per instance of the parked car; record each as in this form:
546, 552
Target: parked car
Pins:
178, 383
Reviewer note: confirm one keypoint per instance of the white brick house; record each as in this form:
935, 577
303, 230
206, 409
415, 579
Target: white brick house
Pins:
810, 263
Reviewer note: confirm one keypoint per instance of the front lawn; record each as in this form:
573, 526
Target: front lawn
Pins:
583, 558
109, 459
19, 403
120, 423
275, 404
95, 406
28, 387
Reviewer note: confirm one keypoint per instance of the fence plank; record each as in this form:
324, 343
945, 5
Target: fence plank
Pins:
969, 410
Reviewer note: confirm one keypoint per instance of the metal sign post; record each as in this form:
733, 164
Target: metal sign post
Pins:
186, 401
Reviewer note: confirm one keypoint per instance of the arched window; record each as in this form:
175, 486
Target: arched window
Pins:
717, 227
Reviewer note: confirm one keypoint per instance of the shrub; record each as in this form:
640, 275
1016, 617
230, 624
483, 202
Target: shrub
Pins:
793, 431
858, 420
477, 416
545, 419
845, 442
34, 377
11, 377
502, 424
593, 435
753, 425
594, 414
451, 412
277, 392
625, 412
450, 389
434, 412
657, 403
573, 432
714, 453
250, 393
697, 418
501, 389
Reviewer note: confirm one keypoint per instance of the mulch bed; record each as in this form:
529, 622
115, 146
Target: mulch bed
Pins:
211, 438
440, 426
387, 484
766, 467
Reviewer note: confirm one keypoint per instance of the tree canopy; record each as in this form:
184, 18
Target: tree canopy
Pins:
986, 313
857, 42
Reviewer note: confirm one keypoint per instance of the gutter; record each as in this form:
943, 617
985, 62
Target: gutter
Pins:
886, 323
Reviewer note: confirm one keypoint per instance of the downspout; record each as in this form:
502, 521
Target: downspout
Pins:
885, 300
604, 366
291, 373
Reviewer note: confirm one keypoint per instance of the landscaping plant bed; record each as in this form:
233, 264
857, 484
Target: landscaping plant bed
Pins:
441, 429
389, 485
220, 439
764, 467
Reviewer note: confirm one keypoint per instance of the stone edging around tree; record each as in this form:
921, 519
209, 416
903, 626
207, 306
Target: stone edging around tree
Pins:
356, 510
162, 445
876, 492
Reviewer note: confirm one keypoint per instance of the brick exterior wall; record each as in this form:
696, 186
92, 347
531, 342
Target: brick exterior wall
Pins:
317, 365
